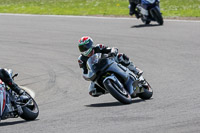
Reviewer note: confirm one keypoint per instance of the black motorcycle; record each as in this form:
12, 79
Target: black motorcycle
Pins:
149, 10
116, 79
13, 105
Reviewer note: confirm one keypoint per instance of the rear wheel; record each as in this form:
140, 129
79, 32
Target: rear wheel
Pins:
119, 93
146, 21
148, 91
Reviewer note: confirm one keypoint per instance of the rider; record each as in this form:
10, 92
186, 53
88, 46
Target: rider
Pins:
5, 77
87, 49
133, 4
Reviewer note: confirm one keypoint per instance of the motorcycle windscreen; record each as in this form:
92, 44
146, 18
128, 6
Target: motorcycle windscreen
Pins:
93, 60
148, 1
2, 98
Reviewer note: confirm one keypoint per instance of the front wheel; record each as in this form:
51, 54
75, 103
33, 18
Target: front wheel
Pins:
119, 93
31, 110
148, 91
155, 13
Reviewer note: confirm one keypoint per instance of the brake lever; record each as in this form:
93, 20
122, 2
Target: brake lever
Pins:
14, 76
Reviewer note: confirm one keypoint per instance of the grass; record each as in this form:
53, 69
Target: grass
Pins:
169, 8
182, 8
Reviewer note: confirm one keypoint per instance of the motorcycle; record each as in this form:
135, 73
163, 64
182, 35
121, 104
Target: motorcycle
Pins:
13, 105
149, 10
116, 79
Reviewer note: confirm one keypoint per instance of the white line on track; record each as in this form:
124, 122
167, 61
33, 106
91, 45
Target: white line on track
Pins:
91, 17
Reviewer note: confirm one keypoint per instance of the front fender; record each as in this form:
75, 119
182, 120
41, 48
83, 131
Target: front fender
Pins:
114, 78
116, 89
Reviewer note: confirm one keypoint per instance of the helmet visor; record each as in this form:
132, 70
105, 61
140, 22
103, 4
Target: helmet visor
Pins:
86, 53
85, 46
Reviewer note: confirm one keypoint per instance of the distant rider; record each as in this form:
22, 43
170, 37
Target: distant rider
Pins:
5, 77
87, 49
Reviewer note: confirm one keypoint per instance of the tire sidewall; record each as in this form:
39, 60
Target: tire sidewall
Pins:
29, 114
148, 92
155, 13
116, 94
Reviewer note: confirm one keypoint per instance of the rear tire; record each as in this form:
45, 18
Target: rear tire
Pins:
147, 22
119, 93
155, 13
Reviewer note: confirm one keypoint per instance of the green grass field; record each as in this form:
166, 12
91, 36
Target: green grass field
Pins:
169, 8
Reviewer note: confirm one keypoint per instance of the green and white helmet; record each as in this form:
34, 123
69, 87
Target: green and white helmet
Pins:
85, 45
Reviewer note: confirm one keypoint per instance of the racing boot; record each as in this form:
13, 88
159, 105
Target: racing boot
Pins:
137, 14
16, 88
134, 69
131, 11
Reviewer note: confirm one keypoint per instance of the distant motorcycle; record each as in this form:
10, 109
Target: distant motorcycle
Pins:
116, 79
149, 10
13, 105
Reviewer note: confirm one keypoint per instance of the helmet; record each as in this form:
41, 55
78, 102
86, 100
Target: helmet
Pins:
85, 45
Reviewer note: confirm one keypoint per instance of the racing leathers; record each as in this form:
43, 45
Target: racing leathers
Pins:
94, 89
5, 77
132, 6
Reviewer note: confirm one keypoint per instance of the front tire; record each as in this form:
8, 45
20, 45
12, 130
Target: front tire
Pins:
155, 13
31, 111
119, 93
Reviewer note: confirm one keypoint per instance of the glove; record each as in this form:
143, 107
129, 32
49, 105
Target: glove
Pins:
113, 52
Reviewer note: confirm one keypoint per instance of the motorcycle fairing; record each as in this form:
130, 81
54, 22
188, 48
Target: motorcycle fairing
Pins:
2, 98
148, 1
125, 73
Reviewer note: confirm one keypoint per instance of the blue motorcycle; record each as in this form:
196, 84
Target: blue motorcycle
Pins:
149, 10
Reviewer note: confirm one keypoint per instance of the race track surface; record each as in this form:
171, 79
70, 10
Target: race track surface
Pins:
43, 50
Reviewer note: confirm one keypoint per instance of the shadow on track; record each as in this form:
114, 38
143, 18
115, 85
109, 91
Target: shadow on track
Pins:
112, 104
14, 122
144, 25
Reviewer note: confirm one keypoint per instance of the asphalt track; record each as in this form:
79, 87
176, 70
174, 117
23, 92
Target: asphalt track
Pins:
43, 50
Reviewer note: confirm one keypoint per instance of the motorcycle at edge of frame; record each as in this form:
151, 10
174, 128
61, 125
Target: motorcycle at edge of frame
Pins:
116, 79
149, 10
14, 106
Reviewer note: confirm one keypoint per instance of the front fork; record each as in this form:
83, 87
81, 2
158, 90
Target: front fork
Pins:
130, 85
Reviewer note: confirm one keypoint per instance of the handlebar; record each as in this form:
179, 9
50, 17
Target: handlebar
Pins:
14, 76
